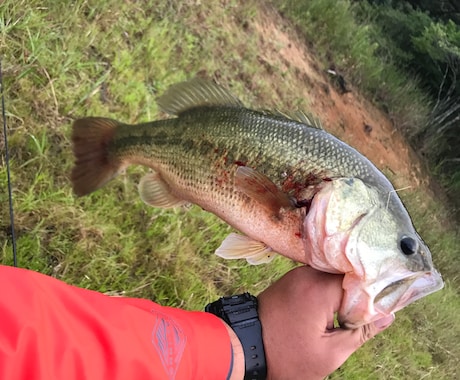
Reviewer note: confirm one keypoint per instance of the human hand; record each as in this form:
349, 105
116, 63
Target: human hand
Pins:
297, 316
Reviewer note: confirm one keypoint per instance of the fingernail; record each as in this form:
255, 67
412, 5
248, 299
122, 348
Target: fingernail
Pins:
384, 322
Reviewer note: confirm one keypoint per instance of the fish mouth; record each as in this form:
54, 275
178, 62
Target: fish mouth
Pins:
377, 300
406, 290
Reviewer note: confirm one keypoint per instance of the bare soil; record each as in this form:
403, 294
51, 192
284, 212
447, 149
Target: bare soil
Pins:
349, 116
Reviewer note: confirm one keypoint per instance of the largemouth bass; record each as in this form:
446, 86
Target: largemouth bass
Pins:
289, 187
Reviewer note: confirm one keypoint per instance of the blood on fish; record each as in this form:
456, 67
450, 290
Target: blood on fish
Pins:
292, 186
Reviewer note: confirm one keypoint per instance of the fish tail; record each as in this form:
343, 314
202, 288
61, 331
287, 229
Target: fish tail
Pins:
94, 166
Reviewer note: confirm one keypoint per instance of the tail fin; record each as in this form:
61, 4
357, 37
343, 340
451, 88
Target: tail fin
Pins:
91, 138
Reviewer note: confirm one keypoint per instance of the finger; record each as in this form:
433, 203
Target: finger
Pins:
321, 285
325, 295
312, 292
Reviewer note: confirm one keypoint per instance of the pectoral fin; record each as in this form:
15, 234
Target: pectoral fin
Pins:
260, 188
155, 192
236, 246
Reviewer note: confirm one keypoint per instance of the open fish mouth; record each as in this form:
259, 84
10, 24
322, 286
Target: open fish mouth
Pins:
380, 299
404, 291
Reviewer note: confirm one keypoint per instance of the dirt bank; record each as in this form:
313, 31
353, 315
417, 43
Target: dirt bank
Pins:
347, 115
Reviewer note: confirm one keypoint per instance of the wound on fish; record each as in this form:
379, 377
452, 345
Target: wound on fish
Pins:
302, 203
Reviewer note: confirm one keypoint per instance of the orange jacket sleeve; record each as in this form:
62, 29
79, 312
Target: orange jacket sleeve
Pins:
51, 330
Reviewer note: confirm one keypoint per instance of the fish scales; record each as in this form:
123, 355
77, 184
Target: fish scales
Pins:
282, 149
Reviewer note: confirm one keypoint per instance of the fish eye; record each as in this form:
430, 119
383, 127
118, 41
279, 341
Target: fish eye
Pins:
408, 245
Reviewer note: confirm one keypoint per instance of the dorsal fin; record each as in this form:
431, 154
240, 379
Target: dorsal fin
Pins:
307, 118
194, 93
300, 116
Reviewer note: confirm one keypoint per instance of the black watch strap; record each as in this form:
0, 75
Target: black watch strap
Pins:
240, 313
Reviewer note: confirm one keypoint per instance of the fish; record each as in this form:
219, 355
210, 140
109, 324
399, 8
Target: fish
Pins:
288, 186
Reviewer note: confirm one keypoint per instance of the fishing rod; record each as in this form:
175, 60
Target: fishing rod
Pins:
7, 163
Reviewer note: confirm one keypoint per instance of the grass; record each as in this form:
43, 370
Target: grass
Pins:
76, 58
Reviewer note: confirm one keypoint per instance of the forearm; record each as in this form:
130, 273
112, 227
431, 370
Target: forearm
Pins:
53, 330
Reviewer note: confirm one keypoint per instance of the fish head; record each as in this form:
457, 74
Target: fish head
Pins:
368, 235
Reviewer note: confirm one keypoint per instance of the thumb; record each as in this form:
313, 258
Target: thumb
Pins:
346, 342
383, 323
364, 333
373, 328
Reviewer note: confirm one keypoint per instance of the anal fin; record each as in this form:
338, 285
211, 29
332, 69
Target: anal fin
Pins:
236, 246
155, 192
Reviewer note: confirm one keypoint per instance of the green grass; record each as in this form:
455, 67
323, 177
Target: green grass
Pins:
67, 59
340, 40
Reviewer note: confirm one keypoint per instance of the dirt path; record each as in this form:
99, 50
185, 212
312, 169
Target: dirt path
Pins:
348, 116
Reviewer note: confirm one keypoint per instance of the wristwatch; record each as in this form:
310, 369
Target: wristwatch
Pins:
240, 313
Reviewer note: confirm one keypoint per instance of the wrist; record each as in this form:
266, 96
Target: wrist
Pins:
238, 365
240, 314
